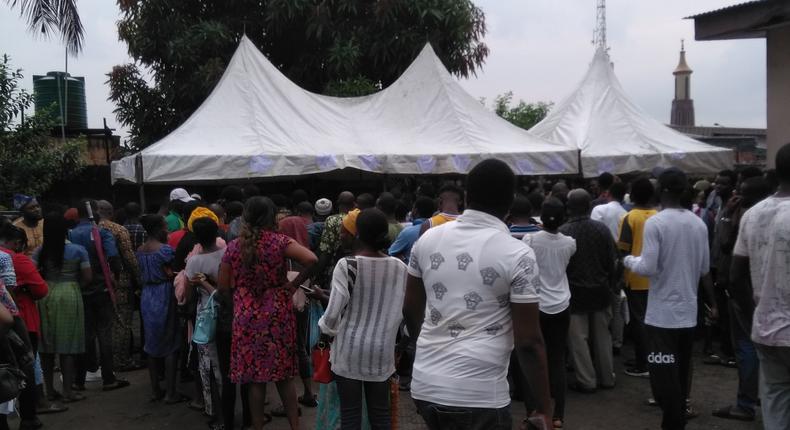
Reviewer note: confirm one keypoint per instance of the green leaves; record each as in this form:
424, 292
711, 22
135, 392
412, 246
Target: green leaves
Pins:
524, 115
30, 160
336, 47
47, 17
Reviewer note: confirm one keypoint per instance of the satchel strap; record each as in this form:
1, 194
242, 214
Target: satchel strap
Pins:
351, 272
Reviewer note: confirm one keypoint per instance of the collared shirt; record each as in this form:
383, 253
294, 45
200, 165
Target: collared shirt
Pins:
137, 234
472, 270
675, 256
763, 238
401, 247
35, 235
592, 268
82, 234
610, 215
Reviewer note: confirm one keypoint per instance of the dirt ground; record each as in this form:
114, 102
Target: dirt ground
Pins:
621, 408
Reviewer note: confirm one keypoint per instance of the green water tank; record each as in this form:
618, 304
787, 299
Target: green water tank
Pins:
56, 88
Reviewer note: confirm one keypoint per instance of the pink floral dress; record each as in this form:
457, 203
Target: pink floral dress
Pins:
263, 347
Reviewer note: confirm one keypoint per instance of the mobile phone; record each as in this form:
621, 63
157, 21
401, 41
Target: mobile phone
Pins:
307, 288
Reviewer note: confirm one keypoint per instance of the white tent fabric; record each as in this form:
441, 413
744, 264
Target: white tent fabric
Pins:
257, 123
616, 136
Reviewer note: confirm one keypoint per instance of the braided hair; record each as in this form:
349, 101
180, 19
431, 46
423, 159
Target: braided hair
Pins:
259, 216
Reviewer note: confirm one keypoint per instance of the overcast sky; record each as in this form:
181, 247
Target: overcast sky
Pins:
540, 49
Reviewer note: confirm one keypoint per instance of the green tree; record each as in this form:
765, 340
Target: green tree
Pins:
30, 160
48, 17
523, 114
339, 47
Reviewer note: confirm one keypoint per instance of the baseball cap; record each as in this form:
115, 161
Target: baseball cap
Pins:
180, 194
323, 207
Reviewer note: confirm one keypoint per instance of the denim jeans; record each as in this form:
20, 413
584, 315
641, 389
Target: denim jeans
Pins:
746, 357
775, 385
376, 397
440, 417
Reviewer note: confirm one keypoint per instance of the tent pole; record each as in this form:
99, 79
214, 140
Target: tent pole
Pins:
138, 168
581, 167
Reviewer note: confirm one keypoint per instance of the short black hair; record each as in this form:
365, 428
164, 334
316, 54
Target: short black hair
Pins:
426, 189
366, 201
401, 210
387, 203
605, 181
617, 191
750, 172
642, 191
232, 193
373, 229
250, 190
234, 209
279, 200
673, 181
304, 208
153, 224
783, 164
521, 207
553, 213
190, 207
536, 199
299, 196
425, 207
205, 230
490, 187
132, 210
452, 188
727, 173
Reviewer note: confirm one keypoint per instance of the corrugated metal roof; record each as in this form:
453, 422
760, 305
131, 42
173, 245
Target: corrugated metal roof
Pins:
735, 6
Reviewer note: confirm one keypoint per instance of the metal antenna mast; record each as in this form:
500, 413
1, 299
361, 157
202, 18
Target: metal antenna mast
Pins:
599, 34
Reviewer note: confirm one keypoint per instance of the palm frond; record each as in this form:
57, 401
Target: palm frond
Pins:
70, 25
48, 17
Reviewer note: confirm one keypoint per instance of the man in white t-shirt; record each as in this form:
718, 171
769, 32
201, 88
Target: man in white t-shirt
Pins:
763, 249
472, 292
611, 213
676, 257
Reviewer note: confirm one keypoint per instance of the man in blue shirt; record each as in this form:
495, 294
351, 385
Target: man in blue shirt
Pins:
424, 208
99, 308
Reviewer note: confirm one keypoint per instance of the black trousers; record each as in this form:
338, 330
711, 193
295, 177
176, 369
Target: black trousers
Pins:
376, 397
28, 398
223, 340
99, 316
555, 335
637, 307
669, 362
440, 417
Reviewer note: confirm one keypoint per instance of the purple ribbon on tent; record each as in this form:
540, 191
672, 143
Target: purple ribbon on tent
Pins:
426, 163
556, 165
525, 166
606, 165
677, 155
462, 162
371, 162
260, 164
326, 162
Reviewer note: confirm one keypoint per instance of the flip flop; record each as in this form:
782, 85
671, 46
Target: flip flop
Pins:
52, 409
75, 397
180, 399
733, 413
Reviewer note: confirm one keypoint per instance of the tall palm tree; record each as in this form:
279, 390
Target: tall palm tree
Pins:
49, 17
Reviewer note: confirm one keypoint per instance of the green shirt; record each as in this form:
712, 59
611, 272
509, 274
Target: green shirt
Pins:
174, 222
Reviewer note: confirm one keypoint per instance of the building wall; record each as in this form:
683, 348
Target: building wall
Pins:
778, 81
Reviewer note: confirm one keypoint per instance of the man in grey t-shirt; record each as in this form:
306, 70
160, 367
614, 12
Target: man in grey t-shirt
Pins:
676, 257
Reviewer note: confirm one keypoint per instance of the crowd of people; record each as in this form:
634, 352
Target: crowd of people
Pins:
468, 297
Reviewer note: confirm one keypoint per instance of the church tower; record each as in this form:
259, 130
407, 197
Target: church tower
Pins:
682, 105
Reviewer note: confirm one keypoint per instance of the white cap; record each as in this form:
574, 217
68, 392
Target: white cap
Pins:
180, 194
196, 196
323, 207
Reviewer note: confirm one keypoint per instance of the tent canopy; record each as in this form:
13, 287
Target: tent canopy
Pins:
257, 123
614, 135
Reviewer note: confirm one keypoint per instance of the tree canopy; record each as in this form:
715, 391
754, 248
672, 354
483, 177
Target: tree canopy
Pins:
523, 114
339, 47
30, 161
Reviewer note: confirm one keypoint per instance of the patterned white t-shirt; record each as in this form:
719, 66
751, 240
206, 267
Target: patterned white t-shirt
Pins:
472, 270
764, 237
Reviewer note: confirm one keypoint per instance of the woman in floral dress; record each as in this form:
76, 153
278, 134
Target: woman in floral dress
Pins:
264, 325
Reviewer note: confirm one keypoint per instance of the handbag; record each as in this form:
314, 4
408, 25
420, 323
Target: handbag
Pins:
12, 381
322, 368
206, 323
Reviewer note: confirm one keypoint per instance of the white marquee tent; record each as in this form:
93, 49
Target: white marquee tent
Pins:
257, 123
614, 135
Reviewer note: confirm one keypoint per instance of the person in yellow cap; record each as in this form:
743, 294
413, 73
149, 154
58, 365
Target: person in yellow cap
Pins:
201, 212
349, 230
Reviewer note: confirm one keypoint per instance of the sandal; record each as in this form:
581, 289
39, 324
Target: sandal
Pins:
734, 413
75, 397
309, 402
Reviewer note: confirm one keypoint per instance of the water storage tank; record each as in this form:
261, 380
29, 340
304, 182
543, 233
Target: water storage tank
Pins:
59, 87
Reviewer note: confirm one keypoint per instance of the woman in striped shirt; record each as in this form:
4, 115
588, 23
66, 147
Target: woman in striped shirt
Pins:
364, 312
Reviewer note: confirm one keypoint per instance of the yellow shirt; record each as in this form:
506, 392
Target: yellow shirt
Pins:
631, 233
35, 235
442, 218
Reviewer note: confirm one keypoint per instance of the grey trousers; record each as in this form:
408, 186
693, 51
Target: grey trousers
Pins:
618, 323
775, 386
590, 345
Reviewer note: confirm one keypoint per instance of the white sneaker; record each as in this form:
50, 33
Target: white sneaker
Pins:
93, 376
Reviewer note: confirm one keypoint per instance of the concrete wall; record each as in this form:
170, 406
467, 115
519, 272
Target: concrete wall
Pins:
778, 82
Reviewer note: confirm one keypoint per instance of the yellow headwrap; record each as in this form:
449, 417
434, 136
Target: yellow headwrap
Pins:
201, 212
350, 221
